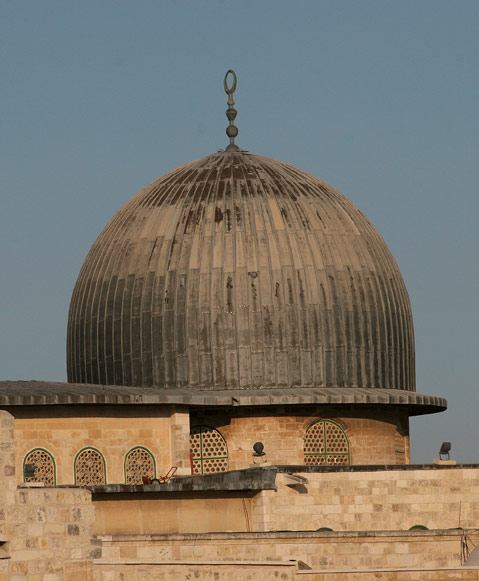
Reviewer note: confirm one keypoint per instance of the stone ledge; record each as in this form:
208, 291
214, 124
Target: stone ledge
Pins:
289, 535
235, 480
192, 562
257, 478
302, 468
392, 570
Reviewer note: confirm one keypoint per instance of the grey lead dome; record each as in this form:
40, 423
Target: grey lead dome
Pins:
240, 271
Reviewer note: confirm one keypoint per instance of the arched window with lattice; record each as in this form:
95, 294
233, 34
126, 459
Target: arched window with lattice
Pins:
325, 442
45, 469
90, 468
139, 462
209, 450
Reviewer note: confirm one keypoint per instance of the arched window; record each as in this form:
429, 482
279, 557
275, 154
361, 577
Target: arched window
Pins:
325, 442
89, 468
139, 462
209, 450
45, 470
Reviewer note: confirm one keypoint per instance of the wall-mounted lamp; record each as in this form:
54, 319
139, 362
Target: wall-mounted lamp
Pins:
445, 449
258, 449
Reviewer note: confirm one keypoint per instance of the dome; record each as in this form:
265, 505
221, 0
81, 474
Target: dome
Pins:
239, 271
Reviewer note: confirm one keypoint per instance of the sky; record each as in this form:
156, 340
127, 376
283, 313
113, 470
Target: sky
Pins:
377, 98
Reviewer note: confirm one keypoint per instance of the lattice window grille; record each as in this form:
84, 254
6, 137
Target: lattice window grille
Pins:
139, 462
44, 467
89, 468
209, 450
400, 448
325, 442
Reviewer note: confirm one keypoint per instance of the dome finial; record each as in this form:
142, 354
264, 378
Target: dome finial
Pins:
231, 130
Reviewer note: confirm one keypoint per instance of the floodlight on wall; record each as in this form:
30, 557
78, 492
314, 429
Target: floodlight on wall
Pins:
258, 449
445, 449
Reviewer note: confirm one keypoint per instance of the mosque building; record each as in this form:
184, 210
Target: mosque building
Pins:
240, 360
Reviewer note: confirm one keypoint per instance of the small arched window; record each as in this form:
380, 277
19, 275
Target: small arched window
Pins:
325, 442
139, 462
209, 450
89, 468
45, 470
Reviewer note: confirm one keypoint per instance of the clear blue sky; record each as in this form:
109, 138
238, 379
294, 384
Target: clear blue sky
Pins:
378, 98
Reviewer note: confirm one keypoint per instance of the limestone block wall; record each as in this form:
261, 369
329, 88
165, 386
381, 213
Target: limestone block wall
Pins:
175, 513
376, 436
269, 571
47, 533
444, 498
420, 574
318, 550
112, 430
180, 440
200, 570
52, 535
8, 489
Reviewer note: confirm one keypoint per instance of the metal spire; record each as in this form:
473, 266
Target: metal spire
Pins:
231, 130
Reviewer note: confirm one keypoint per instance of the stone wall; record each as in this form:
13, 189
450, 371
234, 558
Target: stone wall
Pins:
8, 487
52, 535
343, 500
203, 570
319, 551
421, 574
113, 431
164, 430
181, 512
393, 499
375, 437
47, 532
234, 571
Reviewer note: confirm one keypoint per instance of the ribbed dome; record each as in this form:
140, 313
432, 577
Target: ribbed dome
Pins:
240, 271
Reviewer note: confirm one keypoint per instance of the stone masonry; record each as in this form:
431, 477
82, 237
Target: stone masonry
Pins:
47, 532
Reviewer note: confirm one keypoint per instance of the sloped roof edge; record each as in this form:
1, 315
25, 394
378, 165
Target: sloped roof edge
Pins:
33, 393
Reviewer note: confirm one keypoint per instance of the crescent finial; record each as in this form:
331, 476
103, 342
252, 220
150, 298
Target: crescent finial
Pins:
231, 130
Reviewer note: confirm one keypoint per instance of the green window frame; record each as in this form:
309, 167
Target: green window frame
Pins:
208, 449
75, 467
127, 478
50, 456
326, 443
